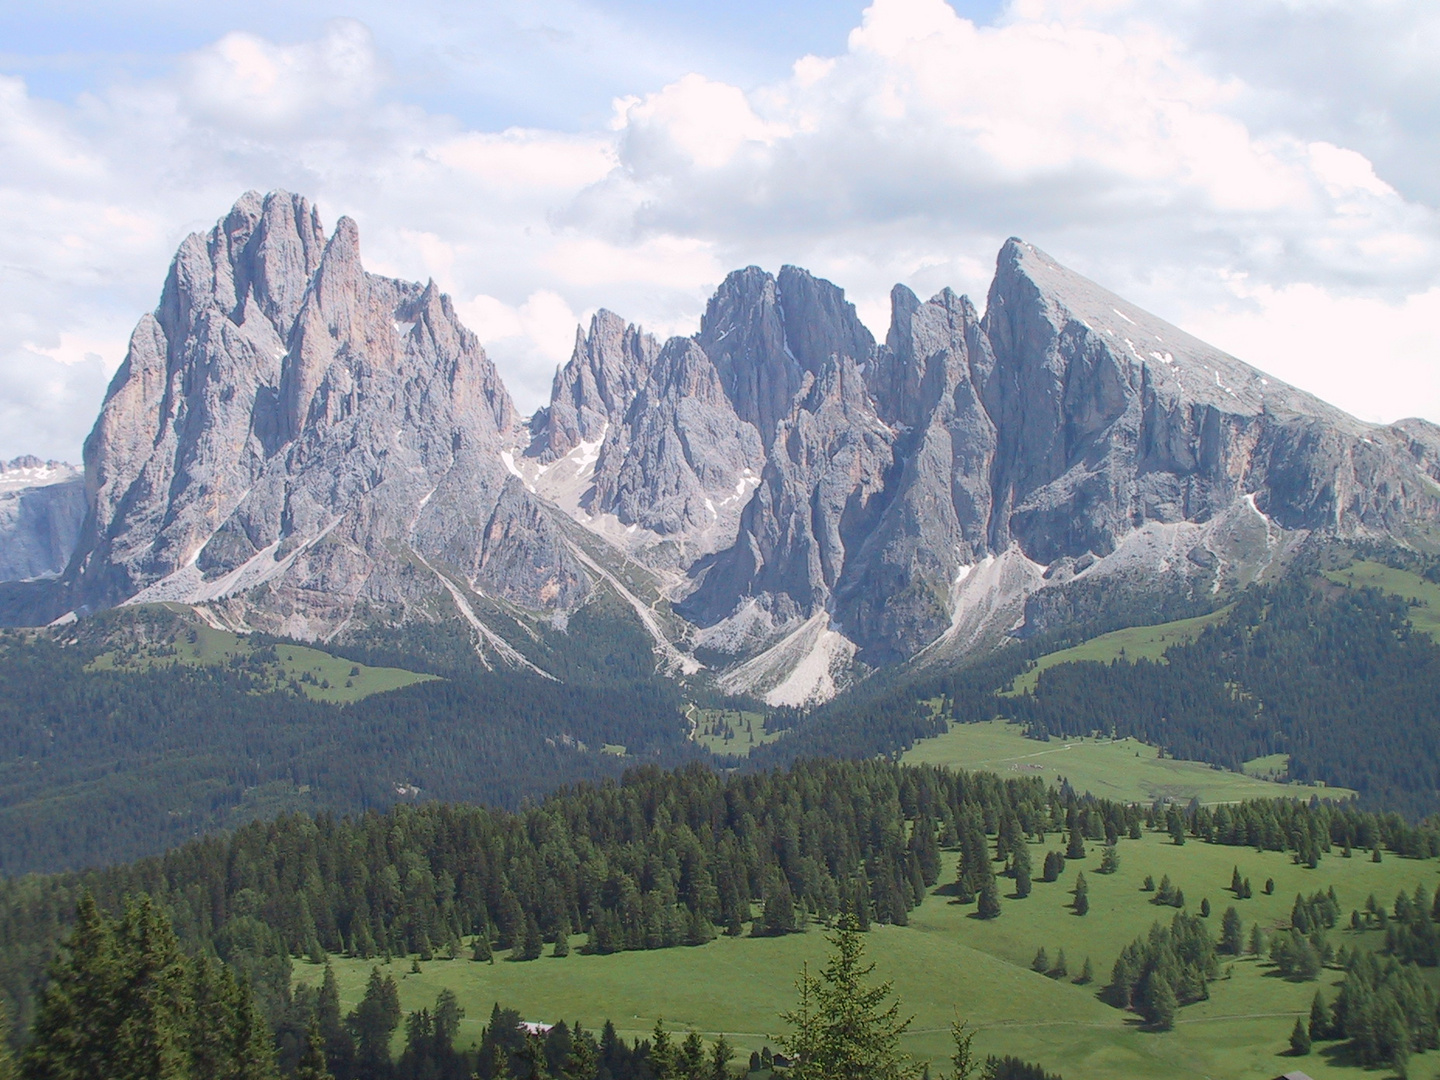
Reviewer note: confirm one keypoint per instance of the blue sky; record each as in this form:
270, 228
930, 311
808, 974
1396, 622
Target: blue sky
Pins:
1266, 173
492, 65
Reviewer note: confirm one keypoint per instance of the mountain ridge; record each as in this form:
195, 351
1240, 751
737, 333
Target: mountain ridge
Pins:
296, 445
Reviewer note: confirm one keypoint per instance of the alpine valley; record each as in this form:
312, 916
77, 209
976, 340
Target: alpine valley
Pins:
329, 678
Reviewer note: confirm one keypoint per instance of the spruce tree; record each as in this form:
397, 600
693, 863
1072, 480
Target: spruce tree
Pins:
1109, 860
1231, 932
583, 1061
842, 1028
988, 906
1319, 1017
721, 1054
372, 1023
312, 1064
1022, 871
338, 1042
1299, 1038
9, 1070
1041, 963
1257, 941
1160, 1004
1087, 974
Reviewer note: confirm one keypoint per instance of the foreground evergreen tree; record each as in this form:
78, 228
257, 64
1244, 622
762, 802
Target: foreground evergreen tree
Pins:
124, 1003
312, 1060
842, 1028
8, 1068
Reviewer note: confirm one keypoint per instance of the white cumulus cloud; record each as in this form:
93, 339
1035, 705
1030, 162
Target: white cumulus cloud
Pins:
1244, 167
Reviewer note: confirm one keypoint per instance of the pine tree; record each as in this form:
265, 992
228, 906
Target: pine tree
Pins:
9, 1070
312, 1064
1109, 860
1176, 825
1041, 963
1061, 969
1161, 1004
1076, 848
338, 1042
721, 1054
583, 1061
1087, 974
1231, 932
988, 906
1299, 1039
372, 1023
1257, 941
841, 1027
1082, 896
1021, 863
1319, 1018
962, 1058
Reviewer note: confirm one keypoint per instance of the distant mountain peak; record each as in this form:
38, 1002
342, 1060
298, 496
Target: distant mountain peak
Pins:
294, 443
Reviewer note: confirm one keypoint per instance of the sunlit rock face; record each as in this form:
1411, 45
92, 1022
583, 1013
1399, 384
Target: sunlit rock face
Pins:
299, 444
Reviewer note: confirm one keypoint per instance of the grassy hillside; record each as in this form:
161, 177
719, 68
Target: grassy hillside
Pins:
1422, 596
947, 961
316, 674
1131, 643
1126, 770
729, 731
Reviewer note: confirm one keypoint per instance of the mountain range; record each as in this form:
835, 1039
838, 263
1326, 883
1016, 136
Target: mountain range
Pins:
296, 445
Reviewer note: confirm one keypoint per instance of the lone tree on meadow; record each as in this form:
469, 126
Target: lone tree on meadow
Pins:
842, 1028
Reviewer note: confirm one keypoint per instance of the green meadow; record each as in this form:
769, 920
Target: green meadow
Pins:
948, 963
1125, 770
729, 731
1423, 596
315, 673
1131, 643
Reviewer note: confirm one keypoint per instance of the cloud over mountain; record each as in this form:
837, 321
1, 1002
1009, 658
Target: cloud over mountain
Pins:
1148, 146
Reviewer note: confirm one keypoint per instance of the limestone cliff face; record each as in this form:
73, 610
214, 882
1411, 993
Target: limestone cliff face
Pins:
595, 389
299, 444
298, 437
1110, 418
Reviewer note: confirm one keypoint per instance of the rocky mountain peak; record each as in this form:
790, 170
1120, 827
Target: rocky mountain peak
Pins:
606, 370
287, 419
300, 445
764, 334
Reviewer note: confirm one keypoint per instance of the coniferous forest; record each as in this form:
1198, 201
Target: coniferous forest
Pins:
1336, 678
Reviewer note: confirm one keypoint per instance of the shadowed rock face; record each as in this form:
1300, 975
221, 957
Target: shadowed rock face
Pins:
294, 440
42, 507
286, 418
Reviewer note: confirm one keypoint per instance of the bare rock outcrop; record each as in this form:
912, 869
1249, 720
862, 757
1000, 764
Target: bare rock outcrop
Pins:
298, 443
299, 437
